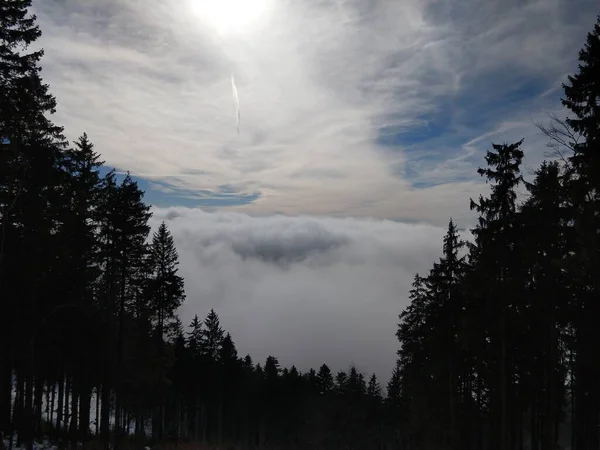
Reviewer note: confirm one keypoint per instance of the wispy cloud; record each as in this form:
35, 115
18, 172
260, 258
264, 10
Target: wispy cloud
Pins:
380, 108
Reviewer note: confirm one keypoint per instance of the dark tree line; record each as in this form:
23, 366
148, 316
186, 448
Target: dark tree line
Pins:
499, 344
221, 398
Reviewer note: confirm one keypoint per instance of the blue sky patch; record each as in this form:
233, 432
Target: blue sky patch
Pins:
161, 194
440, 139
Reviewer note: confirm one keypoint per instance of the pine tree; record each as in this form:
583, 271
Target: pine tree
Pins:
248, 364
166, 286
497, 240
413, 356
341, 381
24, 99
80, 270
325, 379
583, 185
228, 352
311, 380
271, 369
228, 385
445, 307
355, 386
30, 160
195, 337
545, 218
373, 388
212, 336
581, 98
132, 229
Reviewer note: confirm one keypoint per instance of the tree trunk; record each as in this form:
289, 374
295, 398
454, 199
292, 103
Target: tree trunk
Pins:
197, 421
17, 415
162, 417
84, 414
47, 391
532, 427
104, 423
74, 411
154, 420
504, 427
220, 422
203, 421
139, 429
119, 413
59, 407
5, 389
28, 416
53, 397
97, 410
66, 405
573, 403
580, 388
38, 405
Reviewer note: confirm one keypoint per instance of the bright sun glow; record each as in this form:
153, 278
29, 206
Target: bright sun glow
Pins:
230, 16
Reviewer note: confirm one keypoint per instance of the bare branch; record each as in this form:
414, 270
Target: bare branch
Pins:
563, 139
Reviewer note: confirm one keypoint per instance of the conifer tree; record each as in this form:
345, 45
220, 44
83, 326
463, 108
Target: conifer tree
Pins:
213, 336
195, 337
497, 240
166, 285
325, 379
30, 160
373, 388
583, 185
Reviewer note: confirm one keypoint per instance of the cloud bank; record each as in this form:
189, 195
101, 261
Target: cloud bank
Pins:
308, 290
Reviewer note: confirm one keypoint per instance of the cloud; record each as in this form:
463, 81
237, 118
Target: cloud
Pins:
309, 290
348, 107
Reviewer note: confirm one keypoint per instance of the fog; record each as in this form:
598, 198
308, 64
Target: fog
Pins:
308, 290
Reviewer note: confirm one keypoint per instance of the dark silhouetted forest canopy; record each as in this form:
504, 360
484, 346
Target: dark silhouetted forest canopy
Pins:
498, 347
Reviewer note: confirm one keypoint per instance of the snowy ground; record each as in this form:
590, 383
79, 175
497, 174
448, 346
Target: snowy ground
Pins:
37, 445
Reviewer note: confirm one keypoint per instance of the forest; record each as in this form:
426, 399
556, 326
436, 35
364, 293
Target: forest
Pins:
497, 349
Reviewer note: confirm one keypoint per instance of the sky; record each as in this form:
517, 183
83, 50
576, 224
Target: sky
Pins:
362, 124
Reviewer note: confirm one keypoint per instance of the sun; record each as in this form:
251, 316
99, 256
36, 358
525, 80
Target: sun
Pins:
230, 16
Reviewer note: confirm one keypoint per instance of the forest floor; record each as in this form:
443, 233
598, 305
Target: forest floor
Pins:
37, 445
45, 444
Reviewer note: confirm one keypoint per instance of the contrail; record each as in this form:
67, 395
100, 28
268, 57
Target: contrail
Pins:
236, 101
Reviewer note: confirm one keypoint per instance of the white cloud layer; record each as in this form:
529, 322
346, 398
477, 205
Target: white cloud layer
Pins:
307, 290
319, 82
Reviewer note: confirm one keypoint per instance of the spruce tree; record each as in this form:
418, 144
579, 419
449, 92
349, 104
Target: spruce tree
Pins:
497, 239
545, 226
30, 161
24, 98
228, 352
166, 285
325, 379
195, 337
582, 99
341, 383
213, 336
79, 265
394, 385
373, 388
